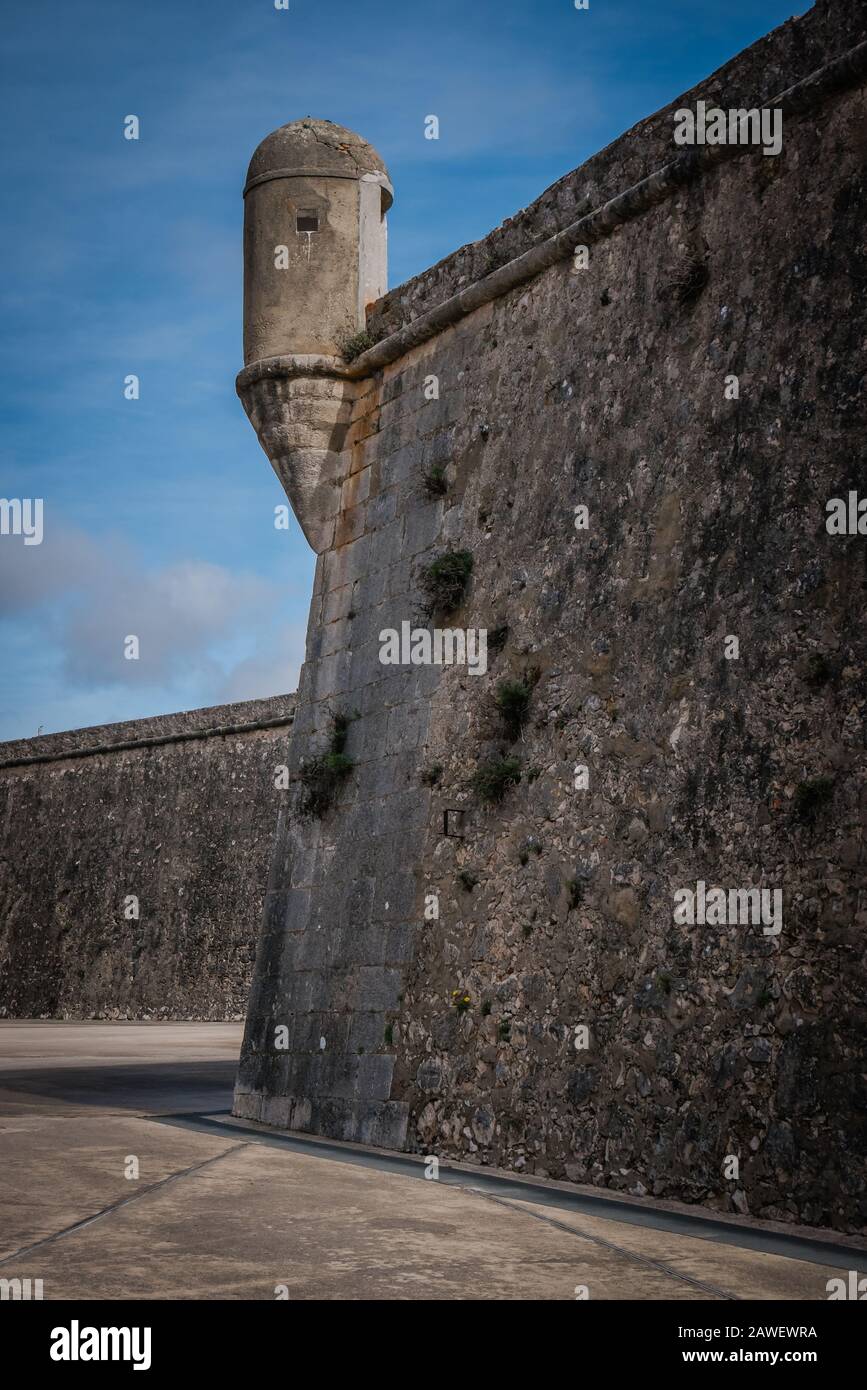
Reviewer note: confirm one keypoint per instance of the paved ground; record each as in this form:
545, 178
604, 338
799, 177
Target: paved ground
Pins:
230, 1211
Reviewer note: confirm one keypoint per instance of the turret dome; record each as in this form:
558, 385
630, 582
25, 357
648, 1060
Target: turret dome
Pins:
317, 148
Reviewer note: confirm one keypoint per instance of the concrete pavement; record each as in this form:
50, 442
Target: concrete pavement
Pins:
112, 1188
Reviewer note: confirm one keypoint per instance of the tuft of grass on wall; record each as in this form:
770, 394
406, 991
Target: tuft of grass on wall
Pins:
513, 705
355, 345
493, 778
689, 282
323, 776
444, 581
436, 483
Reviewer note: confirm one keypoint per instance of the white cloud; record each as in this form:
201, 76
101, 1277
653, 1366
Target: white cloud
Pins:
272, 671
85, 596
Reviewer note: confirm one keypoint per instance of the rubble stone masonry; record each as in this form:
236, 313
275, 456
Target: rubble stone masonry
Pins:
429, 990
176, 812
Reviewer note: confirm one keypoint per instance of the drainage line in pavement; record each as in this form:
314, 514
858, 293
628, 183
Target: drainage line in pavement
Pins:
698, 1226
116, 1206
657, 1266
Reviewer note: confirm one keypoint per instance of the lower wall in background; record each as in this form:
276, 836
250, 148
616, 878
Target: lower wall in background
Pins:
177, 813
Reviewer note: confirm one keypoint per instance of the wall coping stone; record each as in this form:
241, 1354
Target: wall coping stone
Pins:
840, 74
243, 717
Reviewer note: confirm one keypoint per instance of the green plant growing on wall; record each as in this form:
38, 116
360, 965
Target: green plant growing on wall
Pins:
493, 778
513, 705
436, 483
461, 1000
339, 730
498, 637
431, 776
355, 345
812, 796
323, 776
444, 581
467, 880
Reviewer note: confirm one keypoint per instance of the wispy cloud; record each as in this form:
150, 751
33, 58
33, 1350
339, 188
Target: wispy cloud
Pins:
85, 597
273, 670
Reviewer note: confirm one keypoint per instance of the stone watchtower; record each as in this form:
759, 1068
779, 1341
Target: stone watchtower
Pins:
315, 257
331, 952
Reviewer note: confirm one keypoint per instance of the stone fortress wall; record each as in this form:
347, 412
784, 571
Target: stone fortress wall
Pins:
430, 990
176, 811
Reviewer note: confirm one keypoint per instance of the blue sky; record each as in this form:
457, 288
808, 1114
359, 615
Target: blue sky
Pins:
124, 257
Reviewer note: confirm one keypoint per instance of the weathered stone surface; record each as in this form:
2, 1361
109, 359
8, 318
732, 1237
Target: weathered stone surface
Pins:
183, 819
753, 78
311, 187
606, 389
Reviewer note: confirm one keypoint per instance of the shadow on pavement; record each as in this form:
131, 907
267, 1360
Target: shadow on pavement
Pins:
151, 1087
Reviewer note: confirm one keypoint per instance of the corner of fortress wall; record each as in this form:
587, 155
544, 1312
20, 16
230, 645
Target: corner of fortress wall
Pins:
551, 910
